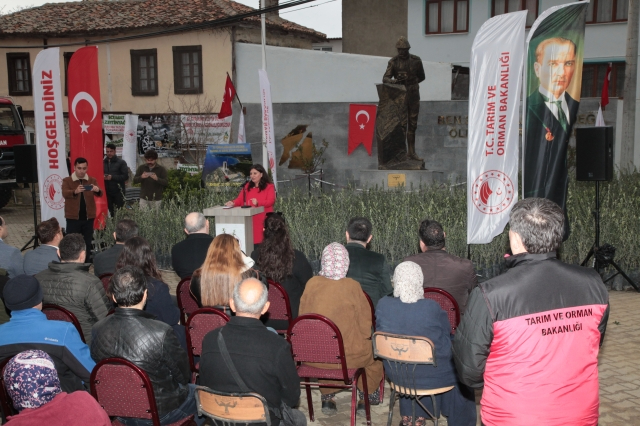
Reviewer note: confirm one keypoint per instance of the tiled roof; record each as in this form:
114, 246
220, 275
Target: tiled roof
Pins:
108, 17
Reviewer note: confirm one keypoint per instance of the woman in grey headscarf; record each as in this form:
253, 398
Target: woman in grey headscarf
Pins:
342, 300
409, 313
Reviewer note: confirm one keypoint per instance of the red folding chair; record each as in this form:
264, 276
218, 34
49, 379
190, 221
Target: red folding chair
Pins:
198, 325
373, 322
279, 307
315, 338
105, 278
447, 303
124, 390
58, 313
5, 401
186, 302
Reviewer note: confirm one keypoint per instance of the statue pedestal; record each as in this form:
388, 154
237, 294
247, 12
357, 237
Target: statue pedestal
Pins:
391, 127
388, 178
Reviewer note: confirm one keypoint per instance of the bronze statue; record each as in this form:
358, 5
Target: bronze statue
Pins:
406, 70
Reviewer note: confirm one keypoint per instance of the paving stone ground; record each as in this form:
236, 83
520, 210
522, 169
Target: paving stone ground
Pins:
617, 361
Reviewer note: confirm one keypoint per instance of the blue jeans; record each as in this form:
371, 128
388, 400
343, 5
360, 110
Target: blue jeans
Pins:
187, 408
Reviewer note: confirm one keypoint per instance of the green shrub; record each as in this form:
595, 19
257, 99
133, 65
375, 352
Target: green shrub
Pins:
321, 219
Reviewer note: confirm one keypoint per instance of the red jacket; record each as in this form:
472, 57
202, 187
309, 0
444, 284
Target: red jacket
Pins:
266, 199
531, 337
66, 409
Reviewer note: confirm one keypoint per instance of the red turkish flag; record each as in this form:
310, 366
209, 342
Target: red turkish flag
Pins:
604, 99
85, 120
229, 94
362, 124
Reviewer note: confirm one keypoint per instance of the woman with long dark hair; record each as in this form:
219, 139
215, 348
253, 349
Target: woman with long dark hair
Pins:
279, 261
259, 191
225, 266
137, 252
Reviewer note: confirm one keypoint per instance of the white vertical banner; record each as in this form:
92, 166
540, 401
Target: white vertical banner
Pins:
497, 59
130, 141
267, 122
50, 135
242, 136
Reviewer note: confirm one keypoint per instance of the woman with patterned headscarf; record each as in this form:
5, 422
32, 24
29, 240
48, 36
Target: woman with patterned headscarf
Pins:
410, 314
342, 300
33, 386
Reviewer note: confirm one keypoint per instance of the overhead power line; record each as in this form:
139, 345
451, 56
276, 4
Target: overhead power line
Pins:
191, 27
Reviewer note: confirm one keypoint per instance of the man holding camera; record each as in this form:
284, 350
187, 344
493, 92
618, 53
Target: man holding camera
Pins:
153, 179
79, 191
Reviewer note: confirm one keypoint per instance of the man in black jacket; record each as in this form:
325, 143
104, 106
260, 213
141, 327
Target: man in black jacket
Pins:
135, 335
116, 173
367, 267
262, 358
189, 254
105, 261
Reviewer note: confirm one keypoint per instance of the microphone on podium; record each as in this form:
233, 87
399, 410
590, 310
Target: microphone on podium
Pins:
244, 193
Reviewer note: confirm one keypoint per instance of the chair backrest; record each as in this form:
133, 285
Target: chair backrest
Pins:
232, 407
105, 278
58, 313
186, 302
198, 325
373, 310
407, 349
401, 355
315, 338
448, 304
5, 401
124, 390
279, 305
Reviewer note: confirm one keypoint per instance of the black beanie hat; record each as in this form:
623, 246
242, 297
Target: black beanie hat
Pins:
22, 292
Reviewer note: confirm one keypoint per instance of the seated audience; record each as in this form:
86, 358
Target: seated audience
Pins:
69, 284
225, 266
10, 258
137, 252
33, 385
29, 328
105, 261
263, 359
367, 267
50, 234
440, 269
278, 260
189, 254
409, 313
133, 334
342, 301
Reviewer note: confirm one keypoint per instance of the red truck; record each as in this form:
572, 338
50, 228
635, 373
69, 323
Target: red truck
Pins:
11, 134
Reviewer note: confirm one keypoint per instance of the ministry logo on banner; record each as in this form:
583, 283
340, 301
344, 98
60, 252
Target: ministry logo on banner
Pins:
497, 58
50, 135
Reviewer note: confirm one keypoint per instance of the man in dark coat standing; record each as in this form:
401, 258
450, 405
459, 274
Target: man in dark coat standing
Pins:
441, 269
189, 254
116, 173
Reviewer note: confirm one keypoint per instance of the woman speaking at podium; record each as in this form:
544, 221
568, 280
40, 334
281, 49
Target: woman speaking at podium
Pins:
258, 191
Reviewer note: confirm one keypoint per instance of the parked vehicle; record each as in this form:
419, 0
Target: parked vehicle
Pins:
12, 133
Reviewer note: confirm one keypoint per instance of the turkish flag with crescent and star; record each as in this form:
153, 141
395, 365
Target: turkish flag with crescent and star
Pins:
229, 94
362, 125
85, 120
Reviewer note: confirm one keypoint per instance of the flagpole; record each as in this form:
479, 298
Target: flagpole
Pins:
265, 156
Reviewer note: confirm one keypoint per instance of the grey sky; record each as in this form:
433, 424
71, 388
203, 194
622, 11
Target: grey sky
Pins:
324, 15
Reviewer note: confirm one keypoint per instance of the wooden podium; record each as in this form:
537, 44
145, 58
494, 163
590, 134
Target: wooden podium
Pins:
235, 221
